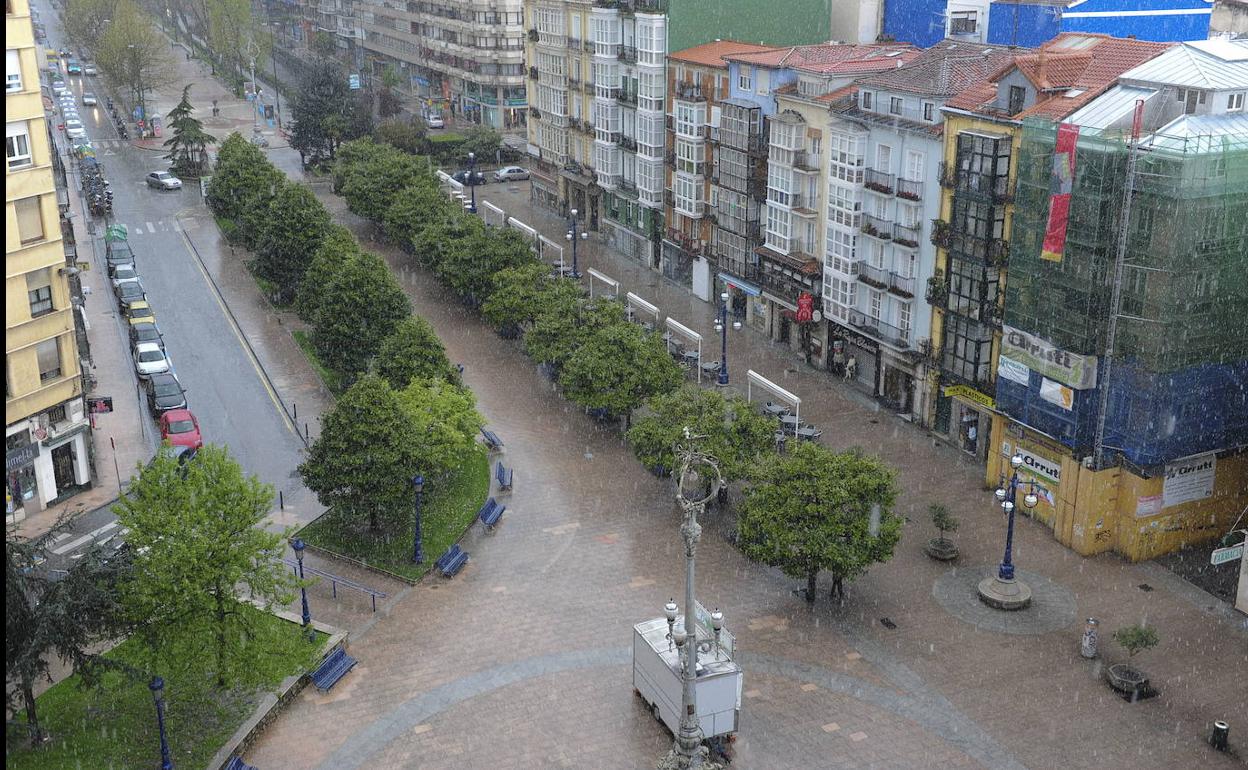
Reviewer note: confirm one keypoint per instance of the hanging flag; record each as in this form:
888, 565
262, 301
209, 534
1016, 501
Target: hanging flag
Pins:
1059, 201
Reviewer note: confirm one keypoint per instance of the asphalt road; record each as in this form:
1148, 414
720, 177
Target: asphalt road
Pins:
225, 389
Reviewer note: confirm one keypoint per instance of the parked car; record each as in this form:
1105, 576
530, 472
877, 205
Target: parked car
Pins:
150, 358
73, 67
74, 128
59, 88
89, 100
140, 313
163, 180
180, 428
164, 392
435, 121
146, 332
119, 257
129, 292
463, 177
123, 273
510, 173
89, 69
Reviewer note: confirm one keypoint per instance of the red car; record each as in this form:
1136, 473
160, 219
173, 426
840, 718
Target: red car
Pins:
180, 428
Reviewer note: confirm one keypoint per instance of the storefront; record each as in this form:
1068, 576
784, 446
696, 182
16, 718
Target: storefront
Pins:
854, 358
964, 416
45, 463
745, 301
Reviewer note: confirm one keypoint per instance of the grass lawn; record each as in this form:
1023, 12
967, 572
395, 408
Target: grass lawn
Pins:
332, 379
114, 725
445, 514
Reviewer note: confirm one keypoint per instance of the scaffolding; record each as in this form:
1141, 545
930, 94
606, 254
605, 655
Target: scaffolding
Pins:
1181, 348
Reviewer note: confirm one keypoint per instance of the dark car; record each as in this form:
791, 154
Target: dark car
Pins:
128, 292
164, 392
463, 177
145, 332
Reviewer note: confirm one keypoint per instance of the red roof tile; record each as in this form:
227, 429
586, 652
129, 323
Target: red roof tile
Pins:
833, 57
945, 69
712, 54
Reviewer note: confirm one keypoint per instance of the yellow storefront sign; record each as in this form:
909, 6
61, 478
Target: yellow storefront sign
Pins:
969, 394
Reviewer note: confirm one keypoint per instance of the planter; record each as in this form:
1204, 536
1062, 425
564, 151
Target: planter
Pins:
941, 549
1126, 679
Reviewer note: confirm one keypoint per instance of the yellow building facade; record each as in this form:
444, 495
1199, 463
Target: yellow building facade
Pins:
46, 455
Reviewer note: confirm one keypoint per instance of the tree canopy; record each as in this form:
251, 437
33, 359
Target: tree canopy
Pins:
468, 265
810, 510
735, 433
294, 227
446, 424
617, 368
405, 135
413, 351
521, 294
370, 183
565, 319
188, 145
338, 246
414, 209
242, 187
361, 306
321, 109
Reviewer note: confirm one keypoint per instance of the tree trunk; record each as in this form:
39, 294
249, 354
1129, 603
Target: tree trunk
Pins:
32, 716
812, 578
373, 526
220, 639
838, 587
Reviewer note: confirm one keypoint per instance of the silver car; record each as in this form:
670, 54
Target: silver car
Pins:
89, 100
510, 173
163, 180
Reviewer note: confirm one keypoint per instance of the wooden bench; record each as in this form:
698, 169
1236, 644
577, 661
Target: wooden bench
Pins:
491, 439
332, 669
490, 513
503, 475
237, 763
452, 561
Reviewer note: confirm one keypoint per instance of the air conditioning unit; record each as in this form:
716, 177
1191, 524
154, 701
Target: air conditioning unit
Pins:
1087, 462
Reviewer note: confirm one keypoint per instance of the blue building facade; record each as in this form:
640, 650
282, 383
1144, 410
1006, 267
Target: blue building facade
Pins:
1029, 24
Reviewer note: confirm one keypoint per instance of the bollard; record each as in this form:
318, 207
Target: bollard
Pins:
281, 501
1221, 735
1088, 648
295, 407
306, 435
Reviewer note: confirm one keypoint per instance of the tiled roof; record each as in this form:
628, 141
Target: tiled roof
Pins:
1209, 64
712, 54
849, 90
833, 58
1069, 71
945, 69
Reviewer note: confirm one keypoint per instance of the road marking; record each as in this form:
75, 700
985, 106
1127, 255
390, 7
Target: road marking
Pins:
177, 228
79, 541
238, 333
151, 227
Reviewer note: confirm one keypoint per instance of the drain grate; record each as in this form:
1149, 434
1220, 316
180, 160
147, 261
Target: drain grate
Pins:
887, 623
1145, 587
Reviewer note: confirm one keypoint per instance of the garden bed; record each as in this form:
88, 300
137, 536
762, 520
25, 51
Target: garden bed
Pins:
329, 377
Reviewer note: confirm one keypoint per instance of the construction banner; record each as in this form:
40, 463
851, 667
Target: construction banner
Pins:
1059, 202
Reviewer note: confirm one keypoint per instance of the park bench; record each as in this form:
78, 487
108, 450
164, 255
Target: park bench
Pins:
332, 669
452, 561
503, 475
237, 763
490, 513
491, 439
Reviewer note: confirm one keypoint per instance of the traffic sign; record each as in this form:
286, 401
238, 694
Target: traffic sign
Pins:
1223, 555
354, 81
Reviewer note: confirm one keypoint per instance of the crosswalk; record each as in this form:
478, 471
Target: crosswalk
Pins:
66, 543
150, 228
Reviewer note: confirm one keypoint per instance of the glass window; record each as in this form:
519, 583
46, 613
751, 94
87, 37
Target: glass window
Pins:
12, 71
894, 105
39, 292
967, 350
29, 220
866, 100
929, 111
743, 79
48, 354
17, 144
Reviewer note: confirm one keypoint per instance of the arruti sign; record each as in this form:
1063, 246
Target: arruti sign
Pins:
1190, 479
1077, 371
1041, 466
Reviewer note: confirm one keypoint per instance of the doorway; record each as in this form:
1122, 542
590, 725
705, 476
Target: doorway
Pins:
63, 467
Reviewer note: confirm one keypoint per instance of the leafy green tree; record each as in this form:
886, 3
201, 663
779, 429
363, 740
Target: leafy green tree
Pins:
323, 44
336, 248
133, 54
294, 227
617, 368
197, 531
446, 421
234, 33
361, 306
1136, 639
810, 510
370, 184
84, 21
361, 465
388, 103
442, 236
468, 266
565, 320
416, 208
45, 618
518, 295
405, 135
243, 186
735, 433
319, 110
481, 140
414, 352
189, 143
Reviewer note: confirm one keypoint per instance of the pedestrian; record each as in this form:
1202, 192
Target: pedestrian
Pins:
851, 368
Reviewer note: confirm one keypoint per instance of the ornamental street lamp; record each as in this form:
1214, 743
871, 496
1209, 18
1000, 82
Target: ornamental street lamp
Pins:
418, 546
1003, 591
157, 687
299, 545
472, 181
573, 235
721, 326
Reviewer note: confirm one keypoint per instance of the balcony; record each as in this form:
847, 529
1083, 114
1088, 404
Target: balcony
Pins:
937, 291
880, 182
906, 235
628, 143
873, 276
589, 46
752, 144
627, 54
532, 73
689, 92
627, 98
997, 188
909, 189
992, 251
573, 43
901, 285
533, 35
628, 187
877, 228
880, 330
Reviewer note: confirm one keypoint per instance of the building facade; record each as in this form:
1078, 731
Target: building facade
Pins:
1141, 451
776, 23
46, 430
462, 60
1032, 22
927, 22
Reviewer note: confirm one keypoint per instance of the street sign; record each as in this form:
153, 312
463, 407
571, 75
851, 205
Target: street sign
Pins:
100, 404
354, 80
1223, 555
82, 266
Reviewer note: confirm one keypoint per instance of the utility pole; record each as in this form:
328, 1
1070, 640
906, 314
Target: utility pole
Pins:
1115, 304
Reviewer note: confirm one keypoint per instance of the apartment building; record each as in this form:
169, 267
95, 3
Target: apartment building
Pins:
465, 59
46, 458
698, 85
885, 142
776, 23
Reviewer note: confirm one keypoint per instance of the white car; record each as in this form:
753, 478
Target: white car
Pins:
89, 69
434, 121
60, 89
150, 359
74, 128
89, 100
163, 180
509, 173
124, 272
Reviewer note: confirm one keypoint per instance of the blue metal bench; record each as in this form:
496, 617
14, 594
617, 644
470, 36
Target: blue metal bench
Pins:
332, 669
490, 513
452, 561
503, 475
491, 439
237, 763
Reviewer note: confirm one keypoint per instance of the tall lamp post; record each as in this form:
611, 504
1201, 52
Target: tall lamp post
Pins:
299, 545
1003, 591
696, 469
418, 546
157, 687
574, 234
721, 326
472, 182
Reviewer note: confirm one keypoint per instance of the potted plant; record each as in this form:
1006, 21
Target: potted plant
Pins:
1124, 677
941, 547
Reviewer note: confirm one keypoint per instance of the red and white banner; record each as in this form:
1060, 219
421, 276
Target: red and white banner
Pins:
1059, 202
